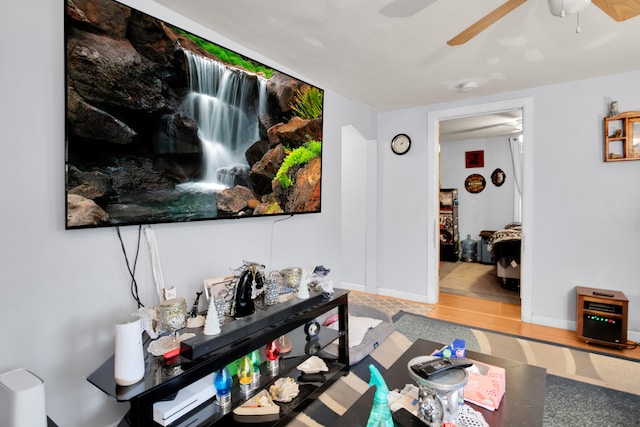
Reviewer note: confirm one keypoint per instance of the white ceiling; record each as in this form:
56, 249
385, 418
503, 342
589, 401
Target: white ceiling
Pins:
391, 54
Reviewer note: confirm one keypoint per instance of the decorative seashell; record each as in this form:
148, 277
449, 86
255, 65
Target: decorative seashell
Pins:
313, 365
195, 322
284, 390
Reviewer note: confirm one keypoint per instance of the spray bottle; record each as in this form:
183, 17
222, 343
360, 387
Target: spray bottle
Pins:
380, 415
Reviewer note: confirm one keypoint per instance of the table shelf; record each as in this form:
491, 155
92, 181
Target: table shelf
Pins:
237, 338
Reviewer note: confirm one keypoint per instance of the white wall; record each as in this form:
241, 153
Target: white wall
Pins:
62, 290
492, 208
359, 218
354, 200
584, 210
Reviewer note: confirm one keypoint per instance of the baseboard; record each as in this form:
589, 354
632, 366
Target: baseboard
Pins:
402, 295
353, 287
553, 322
386, 292
570, 325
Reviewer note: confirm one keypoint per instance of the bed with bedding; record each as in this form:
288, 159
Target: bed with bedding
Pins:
505, 246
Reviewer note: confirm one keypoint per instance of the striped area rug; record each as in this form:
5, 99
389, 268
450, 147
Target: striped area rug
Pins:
341, 395
583, 389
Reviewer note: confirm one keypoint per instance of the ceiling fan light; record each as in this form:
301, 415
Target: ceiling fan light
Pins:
467, 86
562, 8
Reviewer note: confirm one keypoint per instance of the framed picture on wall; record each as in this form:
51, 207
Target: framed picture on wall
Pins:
497, 177
474, 159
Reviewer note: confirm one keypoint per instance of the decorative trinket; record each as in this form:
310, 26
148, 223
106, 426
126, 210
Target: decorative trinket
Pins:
245, 374
313, 365
272, 353
194, 308
251, 280
212, 323
173, 315
284, 390
223, 382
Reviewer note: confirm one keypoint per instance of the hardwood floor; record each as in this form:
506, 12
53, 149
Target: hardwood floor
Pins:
503, 317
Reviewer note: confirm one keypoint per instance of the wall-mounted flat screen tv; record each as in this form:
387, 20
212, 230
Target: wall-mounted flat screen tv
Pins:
165, 126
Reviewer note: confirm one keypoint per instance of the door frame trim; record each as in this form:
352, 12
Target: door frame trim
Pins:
433, 175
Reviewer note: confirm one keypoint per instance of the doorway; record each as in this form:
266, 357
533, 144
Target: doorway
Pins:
490, 204
433, 185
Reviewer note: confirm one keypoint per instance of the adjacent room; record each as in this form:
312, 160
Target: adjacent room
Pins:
284, 212
474, 260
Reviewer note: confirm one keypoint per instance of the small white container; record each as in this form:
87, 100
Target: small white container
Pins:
129, 356
22, 400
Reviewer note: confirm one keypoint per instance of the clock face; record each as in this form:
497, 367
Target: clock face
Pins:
312, 328
400, 144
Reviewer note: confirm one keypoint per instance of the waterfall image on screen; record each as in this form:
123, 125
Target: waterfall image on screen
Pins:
164, 126
222, 103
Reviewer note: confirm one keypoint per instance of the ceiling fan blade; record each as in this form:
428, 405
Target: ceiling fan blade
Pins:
620, 10
484, 22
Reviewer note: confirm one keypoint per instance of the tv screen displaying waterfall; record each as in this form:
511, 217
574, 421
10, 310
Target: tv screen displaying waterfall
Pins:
165, 126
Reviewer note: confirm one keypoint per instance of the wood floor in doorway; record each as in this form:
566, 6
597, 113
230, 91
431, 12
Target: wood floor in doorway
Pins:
475, 280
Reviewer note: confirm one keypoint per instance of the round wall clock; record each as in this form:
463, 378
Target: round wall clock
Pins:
475, 183
400, 144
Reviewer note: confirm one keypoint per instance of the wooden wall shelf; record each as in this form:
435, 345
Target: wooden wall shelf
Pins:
622, 137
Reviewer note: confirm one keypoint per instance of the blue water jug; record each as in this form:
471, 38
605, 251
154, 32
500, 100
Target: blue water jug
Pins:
469, 249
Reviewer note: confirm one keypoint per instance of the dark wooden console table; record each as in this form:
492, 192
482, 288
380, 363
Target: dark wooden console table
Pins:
237, 338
